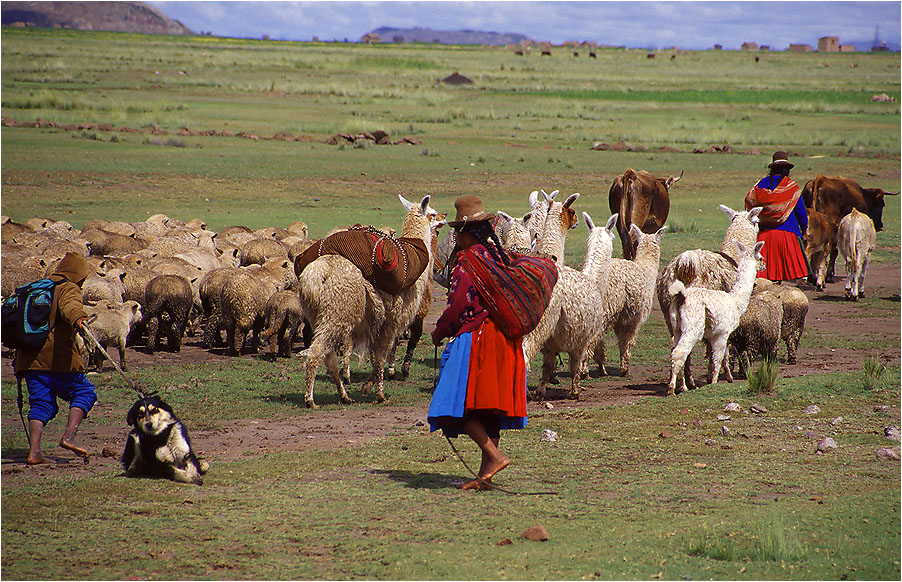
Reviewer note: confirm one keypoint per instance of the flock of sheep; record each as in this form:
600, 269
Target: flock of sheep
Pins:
161, 277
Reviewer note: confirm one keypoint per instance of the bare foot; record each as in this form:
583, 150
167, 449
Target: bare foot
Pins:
476, 485
74, 448
37, 460
492, 468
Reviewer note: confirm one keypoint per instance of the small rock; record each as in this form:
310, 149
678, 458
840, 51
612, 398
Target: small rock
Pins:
725, 431
684, 411
826, 444
812, 435
536, 533
547, 405
887, 454
665, 434
836, 421
711, 442
109, 452
699, 465
812, 409
758, 409
891, 432
723, 417
548, 436
732, 407
881, 408
697, 422
505, 542
420, 423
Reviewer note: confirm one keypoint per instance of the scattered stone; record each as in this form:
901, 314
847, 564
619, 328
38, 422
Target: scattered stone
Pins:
723, 417
826, 444
536, 533
881, 408
420, 423
836, 421
505, 542
725, 431
697, 422
758, 409
548, 436
665, 434
711, 442
109, 452
812, 409
887, 454
812, 435
891, 432
699, 465
547, 405
684, 411
732, 407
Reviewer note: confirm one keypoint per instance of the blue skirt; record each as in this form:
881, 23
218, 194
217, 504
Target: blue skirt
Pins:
449, 399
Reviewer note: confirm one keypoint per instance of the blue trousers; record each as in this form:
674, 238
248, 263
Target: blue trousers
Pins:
45, 387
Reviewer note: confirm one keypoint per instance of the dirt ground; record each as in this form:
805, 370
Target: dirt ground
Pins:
350, 426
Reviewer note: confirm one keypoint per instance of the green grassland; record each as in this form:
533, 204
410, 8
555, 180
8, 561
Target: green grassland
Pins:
629, 504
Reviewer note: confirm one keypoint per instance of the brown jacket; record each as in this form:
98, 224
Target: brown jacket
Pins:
59, 353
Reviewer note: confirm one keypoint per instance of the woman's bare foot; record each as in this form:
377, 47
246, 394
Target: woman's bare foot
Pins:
492, 467
38, 459
69, 445
476, 485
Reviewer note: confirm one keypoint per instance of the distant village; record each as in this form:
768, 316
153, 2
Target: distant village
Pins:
826, 44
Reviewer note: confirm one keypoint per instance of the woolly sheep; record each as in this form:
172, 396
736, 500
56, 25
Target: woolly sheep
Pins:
110, 328
258, 250
697, 313
243, 299
283, 317
758, 332
795, 310
108, 285
210, 295
169, 300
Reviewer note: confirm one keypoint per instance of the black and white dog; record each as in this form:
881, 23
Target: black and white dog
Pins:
158, 446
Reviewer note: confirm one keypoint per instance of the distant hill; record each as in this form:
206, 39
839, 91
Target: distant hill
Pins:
388, 34
114, 16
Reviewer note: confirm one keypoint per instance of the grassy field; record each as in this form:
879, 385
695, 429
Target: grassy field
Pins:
628, 504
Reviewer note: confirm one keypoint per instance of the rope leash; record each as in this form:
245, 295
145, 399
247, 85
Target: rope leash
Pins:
85, 331
464, 463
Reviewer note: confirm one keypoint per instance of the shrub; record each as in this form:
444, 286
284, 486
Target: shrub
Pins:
873, 370
762, 379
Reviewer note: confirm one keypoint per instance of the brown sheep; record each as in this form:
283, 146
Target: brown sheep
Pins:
283, 316
169, 301
258, 250
242, 301
110, 328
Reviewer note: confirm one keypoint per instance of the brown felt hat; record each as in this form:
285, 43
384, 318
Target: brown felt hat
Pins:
780, 159
469, 209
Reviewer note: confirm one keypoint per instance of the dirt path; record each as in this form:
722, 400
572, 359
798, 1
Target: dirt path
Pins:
329, 429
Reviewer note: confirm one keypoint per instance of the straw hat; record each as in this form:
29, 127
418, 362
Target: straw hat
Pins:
780, 159
469, 209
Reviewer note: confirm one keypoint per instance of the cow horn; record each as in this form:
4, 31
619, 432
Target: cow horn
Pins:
671, 180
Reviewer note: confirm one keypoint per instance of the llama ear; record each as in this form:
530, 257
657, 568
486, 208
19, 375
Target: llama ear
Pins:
533, 198
635, 232
548, 199
505, 216
407, 203
753, 214
571, 199
660, 234
612, 222
526, 217
424, 205
728, 211
758, 247
589, 222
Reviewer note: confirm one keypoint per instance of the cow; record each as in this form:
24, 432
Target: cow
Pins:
856, 238
820, 238
836, 197
641, 199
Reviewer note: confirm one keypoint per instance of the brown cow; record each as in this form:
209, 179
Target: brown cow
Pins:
640, 199
836, 197
821, 236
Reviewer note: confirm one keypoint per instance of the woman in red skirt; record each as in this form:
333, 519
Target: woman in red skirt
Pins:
782, 223
482, 382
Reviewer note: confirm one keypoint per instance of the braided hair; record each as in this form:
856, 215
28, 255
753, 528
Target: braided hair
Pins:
483, 232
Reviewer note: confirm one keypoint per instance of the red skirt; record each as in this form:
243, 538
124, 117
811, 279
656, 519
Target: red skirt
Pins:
497, 380
783, 255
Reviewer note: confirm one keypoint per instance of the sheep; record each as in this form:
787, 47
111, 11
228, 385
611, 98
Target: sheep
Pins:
258, 250
711, 270
242, 301
698, 312
109, 285
856, 238
573, 316
20, 269
758, 332
283, 317
297, 229
110, 328
210, 295
345, 309
169, 301
103, 243
628, 295
795, 310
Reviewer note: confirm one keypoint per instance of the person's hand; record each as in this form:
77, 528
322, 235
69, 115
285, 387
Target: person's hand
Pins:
436, 341
80, 324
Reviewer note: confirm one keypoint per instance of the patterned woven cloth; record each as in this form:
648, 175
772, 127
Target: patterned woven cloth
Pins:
778, 200
515, 296
390, 264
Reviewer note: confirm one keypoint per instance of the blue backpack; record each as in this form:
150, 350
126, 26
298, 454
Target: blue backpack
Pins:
26, 315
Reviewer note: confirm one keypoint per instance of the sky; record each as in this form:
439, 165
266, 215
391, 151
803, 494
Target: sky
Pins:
686, 25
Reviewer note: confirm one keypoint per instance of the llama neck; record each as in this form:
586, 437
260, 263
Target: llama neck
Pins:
745, 280
741, 230
417, 226
598, 255
554, 234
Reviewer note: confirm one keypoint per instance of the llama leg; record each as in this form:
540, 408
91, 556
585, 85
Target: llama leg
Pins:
314, 357
416, 332
598, 355
332, 365
626, 339
678, 359
392, 354
576, 363
718, 352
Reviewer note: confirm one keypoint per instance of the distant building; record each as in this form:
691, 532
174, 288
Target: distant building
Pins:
718, 47
372, 38
800, 48
847, 48
880, 48
828, 44
750, 46
764, 47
